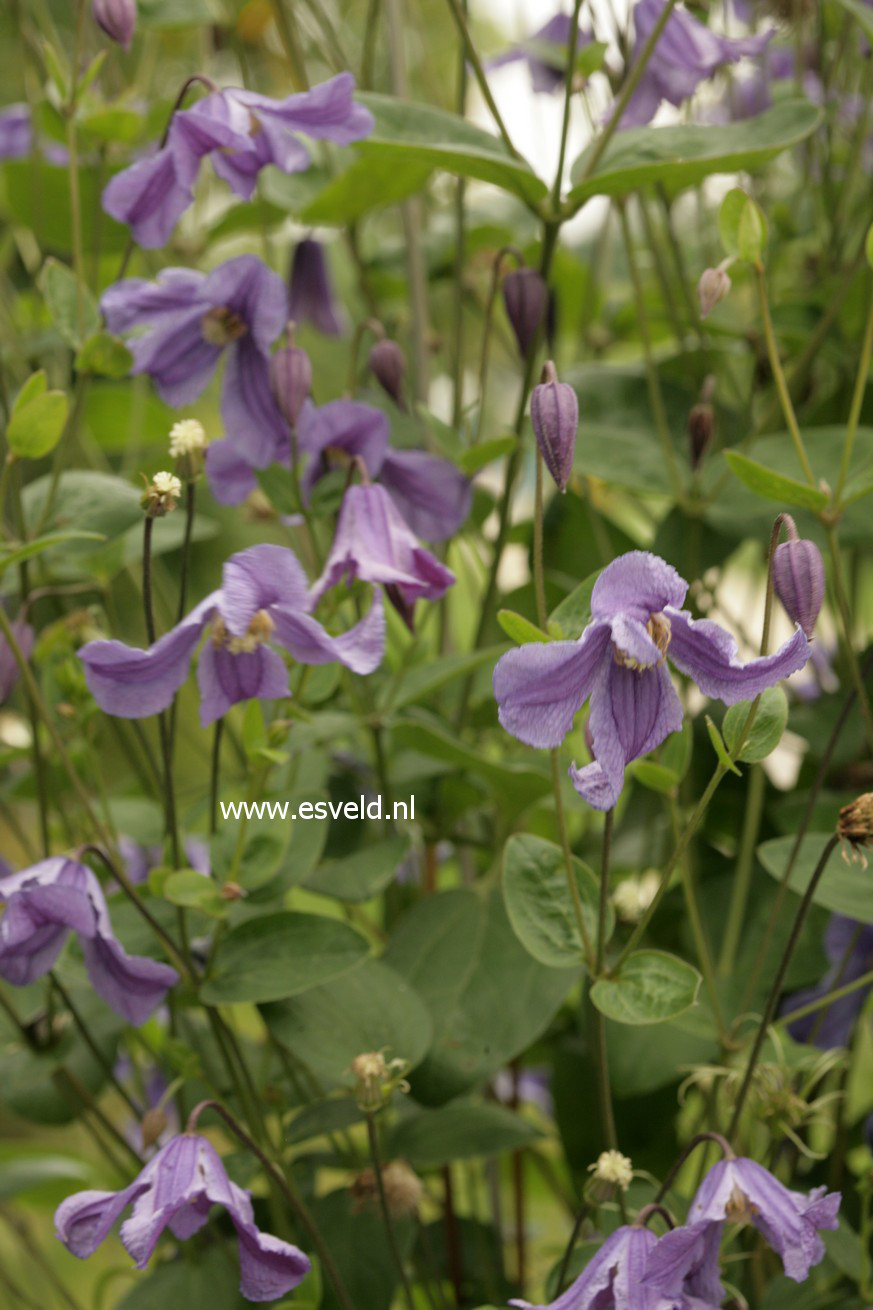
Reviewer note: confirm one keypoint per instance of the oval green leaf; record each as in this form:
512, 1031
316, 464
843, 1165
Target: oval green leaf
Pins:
539, 903
771, 485
280, 955
766, 731
518, 628
651, 987
843, 888
461, 1131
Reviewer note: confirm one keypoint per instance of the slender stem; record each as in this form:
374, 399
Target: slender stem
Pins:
453, 1236
603, 903
568, 96
692, 1146
826, 1001
656, 399
73, 172
539, 580
164, 731
89, 1041
778, 981
117, 872
698, 932
460, 255
375, 1154
214, 776
779, 376
190, 499
745, 867
288, 1190
460, 18
568, 861
90, 1103
584, 1212
851, 658
857, 401
486, 332
601, 1060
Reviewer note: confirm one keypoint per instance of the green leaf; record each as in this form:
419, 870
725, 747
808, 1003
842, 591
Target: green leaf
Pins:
197, 1281
190, 890
539, 903
279, 955
21, 1175
91, 502
369, 184
362, 874
419, 682
766, 732
843, 888
751, 233
60, 288
771, 485
478, 457
405, 131
684, 155
461, 1131
370, 1008
38, 419
729, 219
104, 355
518, 628
654, 776
651, 987
37, 195
177, 13
719, 747
573, 614
18, 554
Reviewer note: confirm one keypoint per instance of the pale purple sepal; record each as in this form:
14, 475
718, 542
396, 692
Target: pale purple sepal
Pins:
432, 495
613, 1278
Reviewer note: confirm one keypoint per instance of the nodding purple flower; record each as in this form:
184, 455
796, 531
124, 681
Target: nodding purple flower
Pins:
620, 662
264, 597
177, 1189
117, 18
47, 902
547, 66
241, 132
742, 1191
139, 860
16, 132
9, 670
431, 494
311, 297
191, 319
798, 576
290, 381
613, 1277
687, 54
526, 298
388, 366
373, 542
554, 415
849, 949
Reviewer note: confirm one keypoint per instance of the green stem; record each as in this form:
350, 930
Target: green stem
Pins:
779, 376
89, 1041
568, 96
73, 173
164, 731
745, 867
601, 1060
698, 932
117, 872
373, 1138
214, 777
539, 580
479, 73
656, 399
778, 982
826, 1001
857, 402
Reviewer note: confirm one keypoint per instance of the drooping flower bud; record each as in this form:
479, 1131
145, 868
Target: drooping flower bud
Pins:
798, 576
188, 442
310, 292
117, 18
161, 495
525, 296
388, 366
554, 413
154, 1125
290, 381
712, 288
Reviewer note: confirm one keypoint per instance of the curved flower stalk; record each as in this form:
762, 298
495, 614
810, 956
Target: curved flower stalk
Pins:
241, 132
176, 1190
191, 319
47, 902
620, 662
687, 54
264, 597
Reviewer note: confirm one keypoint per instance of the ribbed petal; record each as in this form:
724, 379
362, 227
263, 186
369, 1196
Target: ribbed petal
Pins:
253, 291
540, 687
361, 649
269, 1267
178, 358
594, 1288
150, 198
326, 112
134, 302
83, 1220
637, 584
132, 985
226, 679
231, 477
254, 424
432, 495
342, 425
256, 578
708, 654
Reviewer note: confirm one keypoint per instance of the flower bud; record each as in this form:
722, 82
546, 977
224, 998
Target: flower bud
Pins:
117, 18
161, 495
525, 296
613, 1167
188, 442
310, 291
798, 576
290, 381
154, 1124
855, 826
701, 427
554, 413
376, 1078
712, 288
388, 366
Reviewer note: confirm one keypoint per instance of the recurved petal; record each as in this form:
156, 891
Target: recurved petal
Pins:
269, 1267
708, 654
256, 578
360, 649
252, 419
231, 476
83, 1220
226, 679
149, 197
638, 584
431, 494
253, 291
132, 985
540, 687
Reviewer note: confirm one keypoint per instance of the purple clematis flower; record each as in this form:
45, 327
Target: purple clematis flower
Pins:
177, 1189
743, 1191
547, 67
139, 860
242, 132
374, 543
311, 297
849, 948
190, 320
620, 662
431, 494
687, 54
264, 597
55, 897
613, 1278
686, 1260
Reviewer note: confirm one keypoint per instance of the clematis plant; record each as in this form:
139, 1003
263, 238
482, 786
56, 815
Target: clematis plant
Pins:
620, 662
264, 597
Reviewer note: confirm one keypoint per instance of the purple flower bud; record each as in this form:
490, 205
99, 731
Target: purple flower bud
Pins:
310, 292
554, 413
117, 18
525, 296
290, 381
798, 576
712, 288
388, 366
